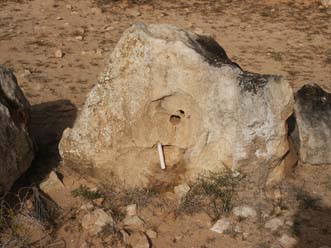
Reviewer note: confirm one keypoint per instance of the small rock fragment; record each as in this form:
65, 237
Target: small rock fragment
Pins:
53, 182
244, 212
221, 225
274, 224
181, 190
79, 37
96, 221
99, 201
131, 210
134, 223
88, 206
69, 7
287, 241
25, 73
151, 234
58, 53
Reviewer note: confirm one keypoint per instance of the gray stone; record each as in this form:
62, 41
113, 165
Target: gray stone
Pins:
96, 221
221, 225
16, 146
163, 84
244, 211
52, 182
287, 241
134, 223
313, 124
274, 224
181, 190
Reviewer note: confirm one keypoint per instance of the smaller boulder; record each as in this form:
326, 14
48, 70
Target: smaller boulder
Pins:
287, 241
131, 210
53, 182
221, 225
96, 221
244, 212
133, 223
274, 224
181, 190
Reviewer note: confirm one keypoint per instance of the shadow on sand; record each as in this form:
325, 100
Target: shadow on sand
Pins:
47, 123
312, 223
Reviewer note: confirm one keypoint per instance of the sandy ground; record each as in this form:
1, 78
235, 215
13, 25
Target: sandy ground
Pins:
272, 37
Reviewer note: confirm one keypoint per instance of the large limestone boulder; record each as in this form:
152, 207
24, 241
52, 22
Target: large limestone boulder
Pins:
16, 147
313, 129
163, 84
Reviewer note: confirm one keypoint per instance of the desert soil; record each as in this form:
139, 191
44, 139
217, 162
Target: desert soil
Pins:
288, 38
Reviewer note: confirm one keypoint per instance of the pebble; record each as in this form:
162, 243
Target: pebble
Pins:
131, 210
181, 190
96, 221
151, 234
287, 241
221, 225
58, 53
244, 211
134, 223
274, 224
79, 37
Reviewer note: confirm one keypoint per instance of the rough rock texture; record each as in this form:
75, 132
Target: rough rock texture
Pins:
313, 124
163, 84
16, 147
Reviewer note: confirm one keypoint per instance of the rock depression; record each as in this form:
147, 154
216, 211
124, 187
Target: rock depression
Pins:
163, 84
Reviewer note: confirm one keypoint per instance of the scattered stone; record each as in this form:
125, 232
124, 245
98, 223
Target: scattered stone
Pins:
69, 7
244, 212
151, 234
52, 182
312, 134
16, 146
138, 240
58, 53
96, 221
87, 207
287, 241
25, 73
99, 52
99, 201
237, 229
134, 12
131, 210
274, 224
245, 235
79, 37
59, 18
221, 225
133, 223
181, 190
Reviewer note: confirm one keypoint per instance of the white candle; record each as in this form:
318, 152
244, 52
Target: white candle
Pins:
161, 156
